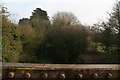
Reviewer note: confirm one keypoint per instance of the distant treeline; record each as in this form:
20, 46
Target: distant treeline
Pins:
63, 39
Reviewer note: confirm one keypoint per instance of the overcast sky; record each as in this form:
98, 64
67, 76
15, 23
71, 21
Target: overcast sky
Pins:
87, 11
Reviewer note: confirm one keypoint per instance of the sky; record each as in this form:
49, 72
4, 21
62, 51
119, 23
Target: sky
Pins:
87, 11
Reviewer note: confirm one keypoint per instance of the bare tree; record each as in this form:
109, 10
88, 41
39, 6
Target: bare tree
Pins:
65, 19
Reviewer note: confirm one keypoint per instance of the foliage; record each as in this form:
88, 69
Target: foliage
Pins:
39, 19
110, 36
108, 33
24, 21
33, 30
64, 44
30, 42
64, 40
114, 22
11, 44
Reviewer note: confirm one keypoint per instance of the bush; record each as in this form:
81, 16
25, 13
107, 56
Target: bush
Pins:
64, 44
